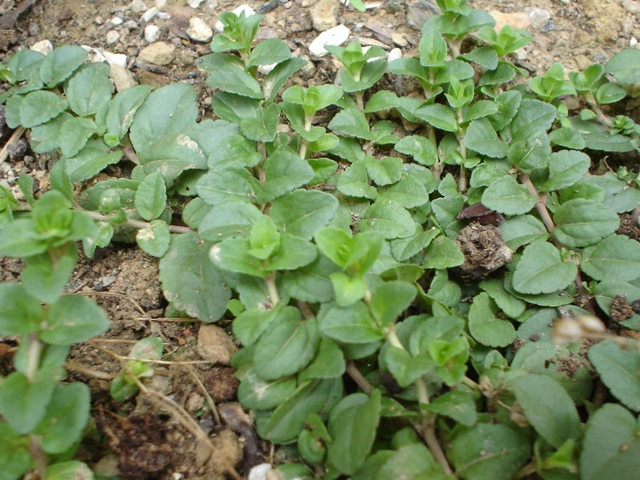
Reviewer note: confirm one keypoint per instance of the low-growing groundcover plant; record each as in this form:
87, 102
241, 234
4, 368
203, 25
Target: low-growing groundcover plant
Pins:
420, 302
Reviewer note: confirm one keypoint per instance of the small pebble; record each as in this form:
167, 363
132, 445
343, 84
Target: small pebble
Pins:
161, 4
118, 59
43, 46
138, 6
334, 36
631, 6
151, 33
99, 21
158, 53
259, 472
130, 24
394, 54
199, 31
122, 78
112, 37
115, 21
164, 15
194, 3
399, 40
539, 17
149, 14
324, 14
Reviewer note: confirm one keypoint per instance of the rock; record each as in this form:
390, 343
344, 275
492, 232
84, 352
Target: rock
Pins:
115, 21
334, 36
118, 59
421, 11
151, 33
138, 6
194, 3
516, 20
112, 37
122, 78
260, 472
149, 14
631, 6
324, 14
248, 11
539, 17
44, 46
161, 4
158, 53
199, 31
215, 345
399, 40
394, 54
194, 403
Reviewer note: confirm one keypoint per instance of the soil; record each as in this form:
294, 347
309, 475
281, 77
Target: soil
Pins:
142, 438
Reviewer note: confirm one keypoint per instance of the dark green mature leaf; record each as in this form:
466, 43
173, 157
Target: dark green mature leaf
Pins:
352, 324
20, 312
267, 52
286, 422
541, 270
277, 77
46, 137
390, 299
352, 426
258, 394
45, 279
580, 223
618, 369
74, 133
442, 253
171, 156
151, 196
303, 212
611, 447
533, 118
617, 194
294, 252
154, 239
354, 182
73, 319
90, 89
485, 327
199, 290
123, 107
456, 404
388, 218
625, 66
90, 161
507, 196
405, 248
23, 402
489, 452
522, 230
286, 347
227, 73
231, 218
66, 417
230, 184
420, 148
233, 254
406, 369
385, 171
328, 363
263, 128
60, 64
440, 116
617, 257
482, 138
23, 63
311, 283
548, 408
566, 168
351, 122
14, 451
285, 172
510, 305
39, 107
410, 462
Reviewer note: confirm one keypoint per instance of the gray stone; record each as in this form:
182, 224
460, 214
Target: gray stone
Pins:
199, 31
122, 78
112, 37
421, 11
151, 33
539, 17
138, 6
324, 14
159, 53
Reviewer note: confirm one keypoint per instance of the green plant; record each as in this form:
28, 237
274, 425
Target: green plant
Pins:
377, 338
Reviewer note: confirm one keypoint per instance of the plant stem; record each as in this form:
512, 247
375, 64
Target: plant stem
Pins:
15, 136
38, 455
541, 202
33, 356
357, 377
134, 223
360, 100
270, 282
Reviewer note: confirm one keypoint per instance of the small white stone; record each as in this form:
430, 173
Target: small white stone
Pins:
130, 24
44, 46
122, 78
164, 15
259, 472
149, 14
138, 6
115, 21
99, 21
161, 4
266, 69
394, 54
248, 11
633, 41
194, 3
151, 33
119, 59
334, 36
112, 37
199, 31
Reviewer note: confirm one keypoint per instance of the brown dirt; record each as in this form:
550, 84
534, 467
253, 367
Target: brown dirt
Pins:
149, 443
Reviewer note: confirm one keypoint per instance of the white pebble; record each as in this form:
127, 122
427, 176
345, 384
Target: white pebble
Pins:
248, 11
199, 31
161, 4
334, 36
633, 41
44, 46
194, 3
116, 21
394, 54
119, 59
112, 37
138, 6
266, 69
149, 14
164, 15
151, 33
259, 472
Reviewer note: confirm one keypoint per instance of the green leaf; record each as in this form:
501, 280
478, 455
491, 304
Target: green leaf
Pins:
482, 138
155, 239
267, 52
303, 212
23, 63
351, 122
432, 49
74, 134
352, 427
264, 239
233, 254
286, 422
405, 248
440, 116
405, 368
610, 93
617, 257
66, 417
258, 394
567, 137
276, 78
285, 171
456, 404
489, 452
566, 168
485, 56
14, 450
311, 283
508, 197
533, 117
263, 128
123, 107
354, 182
231, 218
23, 402
611, 447
46, 137
227, 73
485, 327
420, 148
522, 230
541, 270
548, 408
388, 218
618, 196
385, 171
230, 184
510, 305
286, 347
347, 290
200, 290
328, 363
390, 299
353, 324
39, 107
60, 64
409, 462
45, 279
442, 253
20, 312
294, 252
618, 369
171, 156
580, 223
624, 66
73, 319
90, 161
151, 196
89, 90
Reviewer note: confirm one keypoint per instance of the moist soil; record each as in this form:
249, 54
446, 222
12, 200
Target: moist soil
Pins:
144, 438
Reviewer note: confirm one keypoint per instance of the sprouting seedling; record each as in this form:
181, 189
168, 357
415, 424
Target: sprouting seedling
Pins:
125, 384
